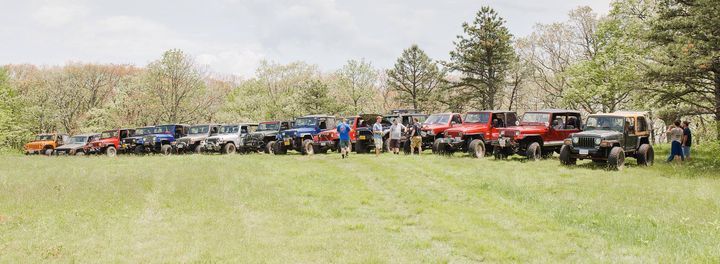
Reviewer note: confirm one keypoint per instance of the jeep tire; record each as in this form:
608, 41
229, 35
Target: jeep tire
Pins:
197, 149
228, 148
645, 155
616, 159
48, 152
110, 151
566, 157
307, 147
165, 149
270, 147
477, 148
279, 149
534, 151
139, 150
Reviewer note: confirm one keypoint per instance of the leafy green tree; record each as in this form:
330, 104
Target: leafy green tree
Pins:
315, 98
357, 82
687, 58
13, 129
483, 56
416, 78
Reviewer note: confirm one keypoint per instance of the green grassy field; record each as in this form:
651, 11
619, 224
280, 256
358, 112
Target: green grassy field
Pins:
318, 209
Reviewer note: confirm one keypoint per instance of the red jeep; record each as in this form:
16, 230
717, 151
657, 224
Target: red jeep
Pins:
109, 141
434, 127
538, 134
476, 133
328, 140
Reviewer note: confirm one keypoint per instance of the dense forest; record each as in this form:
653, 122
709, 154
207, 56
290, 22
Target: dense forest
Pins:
661, 56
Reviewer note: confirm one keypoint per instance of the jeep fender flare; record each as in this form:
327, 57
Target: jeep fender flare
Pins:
532, 138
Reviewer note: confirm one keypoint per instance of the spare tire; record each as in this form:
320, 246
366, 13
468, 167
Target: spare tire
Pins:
566, 157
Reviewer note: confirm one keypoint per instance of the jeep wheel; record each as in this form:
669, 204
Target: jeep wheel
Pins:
111, 151
307, 147
566, 157
437, 148
79, 153
197, 149
499, 153
279, 149
406, 147
534, 152
48, 152
645, 155
229, 148
165, 149
477, 148
270, 147
139, 150
616, 160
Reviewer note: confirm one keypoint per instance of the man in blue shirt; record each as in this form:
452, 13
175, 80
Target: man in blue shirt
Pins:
343, 130
377, 130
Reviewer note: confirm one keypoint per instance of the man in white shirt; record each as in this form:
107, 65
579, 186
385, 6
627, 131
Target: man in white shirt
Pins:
396, 131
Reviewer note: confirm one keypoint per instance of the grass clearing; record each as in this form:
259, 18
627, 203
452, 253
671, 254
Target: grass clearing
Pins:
260, 208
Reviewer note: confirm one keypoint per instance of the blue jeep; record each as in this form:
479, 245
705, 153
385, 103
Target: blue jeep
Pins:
164, 137
135, 144
300, 136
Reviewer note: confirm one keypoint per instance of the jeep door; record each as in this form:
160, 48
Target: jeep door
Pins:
631, 139
562, 125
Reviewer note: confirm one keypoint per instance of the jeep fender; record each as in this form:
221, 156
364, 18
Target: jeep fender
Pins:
531, 138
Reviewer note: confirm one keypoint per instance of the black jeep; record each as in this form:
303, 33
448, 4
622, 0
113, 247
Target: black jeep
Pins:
264, 138
609, 138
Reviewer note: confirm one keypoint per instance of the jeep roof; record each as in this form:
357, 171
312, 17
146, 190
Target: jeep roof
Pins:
86, 135
554, 111
317, 116
631, 113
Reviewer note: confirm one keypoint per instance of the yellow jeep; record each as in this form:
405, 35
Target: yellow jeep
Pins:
45, 143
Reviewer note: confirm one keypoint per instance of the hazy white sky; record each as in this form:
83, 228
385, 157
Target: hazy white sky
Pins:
232, 36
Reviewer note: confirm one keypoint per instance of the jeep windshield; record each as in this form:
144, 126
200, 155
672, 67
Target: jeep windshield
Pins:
77, 140
109, 134
605, 123
229, 129
194, 130
143, 131
437, 119
305, 122
482, 118
43, 137
535, 118
268, 127
168, 129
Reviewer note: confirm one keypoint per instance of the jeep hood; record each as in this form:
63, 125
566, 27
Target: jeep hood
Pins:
532, 129
607, 134
225, 137
37, 144
469, 127
72, 146
193, 138
298, 131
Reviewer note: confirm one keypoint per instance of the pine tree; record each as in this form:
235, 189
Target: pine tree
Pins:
416, 78
483, 56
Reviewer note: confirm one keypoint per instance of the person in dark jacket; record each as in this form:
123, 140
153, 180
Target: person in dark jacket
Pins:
687, 140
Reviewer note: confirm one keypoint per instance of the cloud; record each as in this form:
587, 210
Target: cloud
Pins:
55, 15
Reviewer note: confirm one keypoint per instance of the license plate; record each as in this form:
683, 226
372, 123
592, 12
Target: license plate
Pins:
286, 142
362, 137
124, 145
502, 142
584, 152
458, 139
322, 144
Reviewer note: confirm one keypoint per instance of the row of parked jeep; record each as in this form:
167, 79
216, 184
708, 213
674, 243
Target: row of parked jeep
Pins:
603, 138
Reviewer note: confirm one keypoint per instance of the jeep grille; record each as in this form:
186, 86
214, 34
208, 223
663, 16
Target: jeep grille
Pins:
586, 142
212, 140
128, 140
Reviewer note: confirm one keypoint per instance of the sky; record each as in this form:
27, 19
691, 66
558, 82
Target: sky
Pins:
234, 36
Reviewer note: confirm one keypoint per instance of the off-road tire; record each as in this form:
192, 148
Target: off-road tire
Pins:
197, 149
476, 149
616, 159
534, 152
110, 151
165, 149
406, 147
436, 148
270, 147
139, 150
279, 149
79, 153
645, 155
229, 148
307, 147
47, 152
566, 157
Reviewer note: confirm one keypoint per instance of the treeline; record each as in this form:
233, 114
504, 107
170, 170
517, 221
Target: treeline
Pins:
657, 55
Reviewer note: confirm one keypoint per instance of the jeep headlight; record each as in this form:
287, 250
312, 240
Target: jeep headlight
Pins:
517, 133
502, 133
575, 140
431, 133
597, 141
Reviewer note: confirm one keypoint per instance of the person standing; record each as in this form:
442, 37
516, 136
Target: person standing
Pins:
675, 133
687, 140
396, 131
343, 130
415, 138
378, 135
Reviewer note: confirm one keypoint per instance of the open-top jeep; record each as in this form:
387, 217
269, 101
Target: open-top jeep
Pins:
363, 132
476, 133
45, 143
77, 145
164, 137
538, 134
263, 139
109, 141
433, 129
194, 140
300, 136
136, 143
609, 138
230, 139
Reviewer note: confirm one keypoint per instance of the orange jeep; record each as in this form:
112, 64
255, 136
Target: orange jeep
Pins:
45, 143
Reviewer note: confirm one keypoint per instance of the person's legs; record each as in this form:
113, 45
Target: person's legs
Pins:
686, 152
